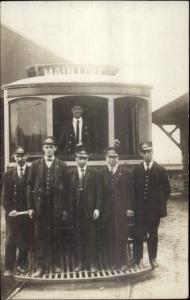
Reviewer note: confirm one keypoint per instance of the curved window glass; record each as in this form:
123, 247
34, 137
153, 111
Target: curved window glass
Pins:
93, 131
131, 124
28, 125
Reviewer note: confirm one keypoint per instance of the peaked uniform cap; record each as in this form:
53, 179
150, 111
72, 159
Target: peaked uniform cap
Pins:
81, 152
146, 146
77, 104
20, 150
49, 141
112, 152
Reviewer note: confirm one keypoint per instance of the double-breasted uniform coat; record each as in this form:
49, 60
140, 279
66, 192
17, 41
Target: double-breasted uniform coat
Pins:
82, 203
116, 197
14, 198
47, 194
150, 204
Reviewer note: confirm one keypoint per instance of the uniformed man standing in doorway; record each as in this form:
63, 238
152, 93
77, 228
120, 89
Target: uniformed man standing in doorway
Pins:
47, 186
75, 133
152, 190
16, 214
85, 210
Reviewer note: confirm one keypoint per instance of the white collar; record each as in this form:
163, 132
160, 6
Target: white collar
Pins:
75, 120
114, 169
19, 167
150, 164
79, 169
52, 158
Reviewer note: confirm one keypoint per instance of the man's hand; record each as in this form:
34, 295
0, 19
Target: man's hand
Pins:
96, 214
130, 213
30, 213
13, 213
64, 216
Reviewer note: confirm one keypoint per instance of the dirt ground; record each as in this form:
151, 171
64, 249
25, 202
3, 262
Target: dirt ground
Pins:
169, 281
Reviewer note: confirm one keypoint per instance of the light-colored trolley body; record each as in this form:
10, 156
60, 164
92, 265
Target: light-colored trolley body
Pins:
38, 106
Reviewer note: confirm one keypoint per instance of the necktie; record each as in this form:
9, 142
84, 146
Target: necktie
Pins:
21, 172
81, 179
111, 170
82, 174
147, 166
49, 159
77, 132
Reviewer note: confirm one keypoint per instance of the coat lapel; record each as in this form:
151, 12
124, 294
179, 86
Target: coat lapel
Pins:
142, 170
84, 129
72, 131
26, 173
74, 177
15, 175
106, 177
56, 171
86, 178
118, 174
41, 169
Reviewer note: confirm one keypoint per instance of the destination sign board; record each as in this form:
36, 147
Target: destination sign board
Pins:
66, 68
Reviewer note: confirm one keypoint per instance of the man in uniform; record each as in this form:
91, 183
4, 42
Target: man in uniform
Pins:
47, 184
84, 202
117, 197
152, 191
75, 133
15, 202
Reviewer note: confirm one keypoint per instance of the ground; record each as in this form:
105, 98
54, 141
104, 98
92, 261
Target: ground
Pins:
169, 281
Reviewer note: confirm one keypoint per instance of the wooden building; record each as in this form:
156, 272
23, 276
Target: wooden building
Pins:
177, 113
17, 52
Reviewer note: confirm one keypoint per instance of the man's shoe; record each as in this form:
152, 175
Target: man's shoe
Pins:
57, 269
93, 269
142, 264
136, 267
154, 263
7, 273
38, 273
124, 268
136, 264
21, 270
139, 264
78, 267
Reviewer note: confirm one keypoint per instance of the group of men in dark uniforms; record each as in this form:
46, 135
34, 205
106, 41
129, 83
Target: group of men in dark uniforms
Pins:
97, 203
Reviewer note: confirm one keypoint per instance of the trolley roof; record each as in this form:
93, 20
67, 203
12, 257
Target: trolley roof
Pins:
69, 79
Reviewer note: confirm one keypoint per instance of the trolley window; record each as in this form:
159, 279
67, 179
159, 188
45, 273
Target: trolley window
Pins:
28, 125
131, 124
94, 132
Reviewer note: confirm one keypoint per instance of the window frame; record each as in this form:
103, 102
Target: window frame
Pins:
109, 125
7, 120
141, 101
49, 104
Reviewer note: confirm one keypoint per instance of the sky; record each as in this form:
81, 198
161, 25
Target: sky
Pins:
147, 40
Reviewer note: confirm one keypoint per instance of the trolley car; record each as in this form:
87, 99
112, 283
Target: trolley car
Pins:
38, 105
